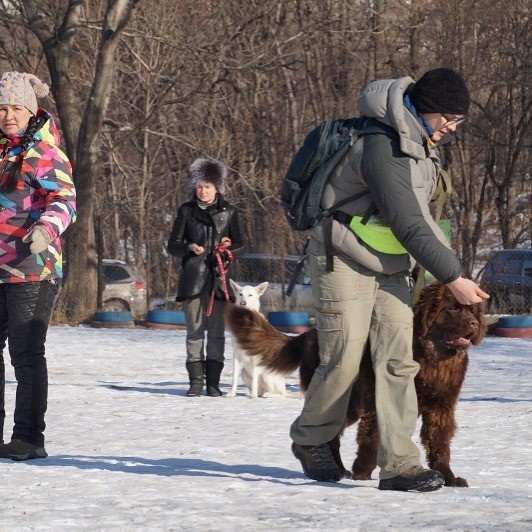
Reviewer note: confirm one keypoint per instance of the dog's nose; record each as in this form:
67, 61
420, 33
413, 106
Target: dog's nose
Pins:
473, 325
243, 303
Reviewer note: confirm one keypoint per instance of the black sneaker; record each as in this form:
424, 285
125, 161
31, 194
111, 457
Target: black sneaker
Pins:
21, 450
318, 462
414, 479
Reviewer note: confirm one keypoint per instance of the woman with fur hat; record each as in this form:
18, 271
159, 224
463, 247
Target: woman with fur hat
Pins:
207, 233
37, 204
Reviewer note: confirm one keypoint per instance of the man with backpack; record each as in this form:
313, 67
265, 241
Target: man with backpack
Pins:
360, 259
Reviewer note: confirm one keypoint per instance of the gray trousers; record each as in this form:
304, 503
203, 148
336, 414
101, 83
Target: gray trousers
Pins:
355, 305
198, 324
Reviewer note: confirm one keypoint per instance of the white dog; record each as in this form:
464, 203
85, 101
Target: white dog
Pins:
260, 381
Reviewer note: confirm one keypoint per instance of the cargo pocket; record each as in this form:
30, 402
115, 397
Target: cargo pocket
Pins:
330, 338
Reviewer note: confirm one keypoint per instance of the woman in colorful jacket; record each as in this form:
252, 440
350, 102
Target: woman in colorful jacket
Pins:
37, 204
205, 229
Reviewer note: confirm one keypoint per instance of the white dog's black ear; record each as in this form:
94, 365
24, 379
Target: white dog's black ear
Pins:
261, 288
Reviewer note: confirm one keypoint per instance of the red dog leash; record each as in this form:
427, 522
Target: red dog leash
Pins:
221, 269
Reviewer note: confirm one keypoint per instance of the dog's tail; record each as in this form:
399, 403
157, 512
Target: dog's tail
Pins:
277, 351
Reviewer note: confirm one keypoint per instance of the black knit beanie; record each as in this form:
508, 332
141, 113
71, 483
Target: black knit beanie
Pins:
441, 90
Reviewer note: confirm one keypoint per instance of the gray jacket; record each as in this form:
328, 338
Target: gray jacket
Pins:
400, 175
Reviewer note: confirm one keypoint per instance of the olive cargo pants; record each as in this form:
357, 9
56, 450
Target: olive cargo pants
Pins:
355, 304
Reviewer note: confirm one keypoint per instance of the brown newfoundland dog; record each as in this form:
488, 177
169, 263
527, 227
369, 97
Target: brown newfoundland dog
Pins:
443, 331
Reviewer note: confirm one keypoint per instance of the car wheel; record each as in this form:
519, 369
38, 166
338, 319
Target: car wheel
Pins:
115, 305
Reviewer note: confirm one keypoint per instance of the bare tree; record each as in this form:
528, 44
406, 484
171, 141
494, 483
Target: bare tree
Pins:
491, 158
243, 82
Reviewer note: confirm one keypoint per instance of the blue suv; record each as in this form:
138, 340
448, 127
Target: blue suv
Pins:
507, 277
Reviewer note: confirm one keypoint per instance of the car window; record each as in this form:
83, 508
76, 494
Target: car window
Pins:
114, 273
497, 264
513, 266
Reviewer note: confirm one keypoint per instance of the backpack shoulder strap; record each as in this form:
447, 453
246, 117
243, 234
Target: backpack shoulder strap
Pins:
443, 190
371, 126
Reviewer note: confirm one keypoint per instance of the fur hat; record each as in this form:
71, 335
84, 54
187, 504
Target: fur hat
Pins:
20, 88
441, 90
210, 171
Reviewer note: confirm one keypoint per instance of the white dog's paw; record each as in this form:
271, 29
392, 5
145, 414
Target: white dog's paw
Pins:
294, 395
272, 394
231, 394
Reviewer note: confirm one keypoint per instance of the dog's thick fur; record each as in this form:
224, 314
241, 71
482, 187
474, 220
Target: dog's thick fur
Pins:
443, 331
260, 381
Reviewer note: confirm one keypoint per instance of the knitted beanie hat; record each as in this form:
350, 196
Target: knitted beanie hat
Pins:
441, 90
20, 88
210, 171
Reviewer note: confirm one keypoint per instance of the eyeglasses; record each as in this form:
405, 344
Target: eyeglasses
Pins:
452, 121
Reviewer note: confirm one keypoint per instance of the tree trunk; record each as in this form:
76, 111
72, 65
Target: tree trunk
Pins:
78, 300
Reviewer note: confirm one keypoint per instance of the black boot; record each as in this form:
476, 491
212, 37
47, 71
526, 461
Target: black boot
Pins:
318, 462
213, 370
196, 371
416, 478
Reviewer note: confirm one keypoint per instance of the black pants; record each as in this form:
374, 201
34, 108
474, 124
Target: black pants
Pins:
25, 310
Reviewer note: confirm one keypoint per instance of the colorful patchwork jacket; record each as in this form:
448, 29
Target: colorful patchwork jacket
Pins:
44, 195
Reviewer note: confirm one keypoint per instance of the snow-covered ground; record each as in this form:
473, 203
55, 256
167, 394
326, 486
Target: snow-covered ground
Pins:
129, 451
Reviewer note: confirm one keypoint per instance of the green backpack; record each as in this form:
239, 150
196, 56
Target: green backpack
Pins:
313, 163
